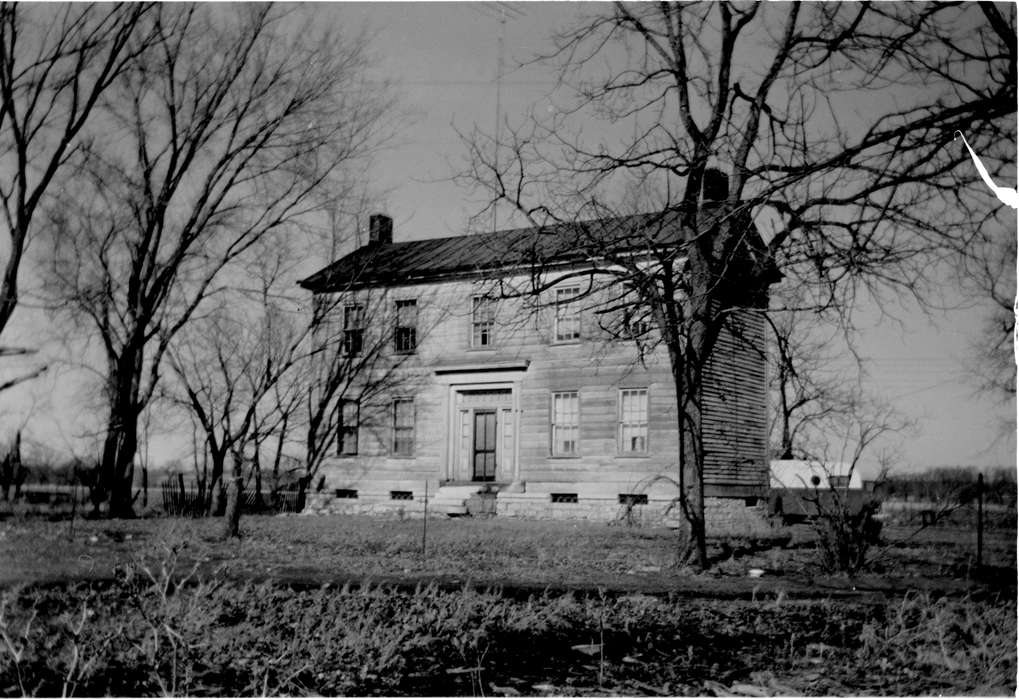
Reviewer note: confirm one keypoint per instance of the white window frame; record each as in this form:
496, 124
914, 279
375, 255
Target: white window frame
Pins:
411, 331
633, 425
412, 427
348, 427
479, 327
560, 430
566, 310
353, 327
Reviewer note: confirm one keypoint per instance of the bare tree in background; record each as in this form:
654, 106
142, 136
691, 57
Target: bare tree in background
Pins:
807, 385
237, 123
227, 366
989, 277
862, 200
56, 61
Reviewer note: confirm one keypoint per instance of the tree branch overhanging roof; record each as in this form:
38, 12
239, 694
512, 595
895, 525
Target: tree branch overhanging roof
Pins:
484, 255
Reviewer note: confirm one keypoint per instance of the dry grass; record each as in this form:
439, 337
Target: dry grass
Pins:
145, 637
141, 633
488, 550
533, 552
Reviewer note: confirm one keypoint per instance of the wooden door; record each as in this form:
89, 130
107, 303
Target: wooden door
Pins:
485, 441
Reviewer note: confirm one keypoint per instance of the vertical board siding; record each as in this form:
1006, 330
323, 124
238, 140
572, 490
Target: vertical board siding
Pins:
734, 400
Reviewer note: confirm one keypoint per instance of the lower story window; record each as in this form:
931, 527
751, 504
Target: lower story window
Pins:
347, 430
565, 423
633, 421
403, 427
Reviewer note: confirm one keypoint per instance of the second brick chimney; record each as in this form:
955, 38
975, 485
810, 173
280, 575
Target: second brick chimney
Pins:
715, 187
380, 229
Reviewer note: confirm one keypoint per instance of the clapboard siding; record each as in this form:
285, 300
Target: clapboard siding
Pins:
734, 407
596, 367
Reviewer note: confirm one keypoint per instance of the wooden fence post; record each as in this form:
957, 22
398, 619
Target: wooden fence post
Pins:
424, 524
980, 519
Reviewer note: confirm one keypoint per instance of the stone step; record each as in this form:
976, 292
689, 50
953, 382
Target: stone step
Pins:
448, 508
452, 500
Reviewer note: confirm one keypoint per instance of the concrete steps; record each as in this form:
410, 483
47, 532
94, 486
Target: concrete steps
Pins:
452, 500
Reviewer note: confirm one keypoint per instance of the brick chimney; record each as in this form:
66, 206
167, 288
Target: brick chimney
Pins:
715, 186
380, 229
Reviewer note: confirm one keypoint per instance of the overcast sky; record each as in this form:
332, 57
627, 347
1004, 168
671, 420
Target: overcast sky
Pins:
441, 59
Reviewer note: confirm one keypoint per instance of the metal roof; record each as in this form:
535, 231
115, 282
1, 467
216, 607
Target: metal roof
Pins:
483, 254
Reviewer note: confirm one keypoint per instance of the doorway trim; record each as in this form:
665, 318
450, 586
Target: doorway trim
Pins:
469, 381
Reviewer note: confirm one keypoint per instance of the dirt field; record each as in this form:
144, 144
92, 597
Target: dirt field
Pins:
496, 607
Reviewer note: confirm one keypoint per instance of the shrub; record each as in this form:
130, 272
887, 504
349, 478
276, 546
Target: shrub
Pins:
846, 535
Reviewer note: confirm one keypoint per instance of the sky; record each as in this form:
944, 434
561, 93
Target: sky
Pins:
441, 60
443, 71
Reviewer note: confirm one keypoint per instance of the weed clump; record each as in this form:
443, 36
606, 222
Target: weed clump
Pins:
155, 633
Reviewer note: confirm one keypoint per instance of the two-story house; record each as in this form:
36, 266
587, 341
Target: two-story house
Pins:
525, 404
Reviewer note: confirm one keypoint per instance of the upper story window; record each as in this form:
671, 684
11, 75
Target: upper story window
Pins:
482, 322
565, 423
403, 427
637, 324
353, 329
633, 411
405, 338
346, 432
567, 314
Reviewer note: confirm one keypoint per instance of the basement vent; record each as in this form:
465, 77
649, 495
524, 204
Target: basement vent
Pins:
346, 493
401, 495
633, 499
750, 501
564, 497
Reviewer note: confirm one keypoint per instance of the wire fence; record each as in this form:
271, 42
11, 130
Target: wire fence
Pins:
176, 497
188, 500
933, 513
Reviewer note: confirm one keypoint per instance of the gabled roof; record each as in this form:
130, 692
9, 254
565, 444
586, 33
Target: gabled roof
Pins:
482, 254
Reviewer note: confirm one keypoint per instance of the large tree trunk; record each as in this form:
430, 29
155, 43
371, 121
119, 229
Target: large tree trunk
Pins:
275, 484
235, 495
257, 468
693, 540
118, 464
217, 493
116, 470
690, 333
10, 468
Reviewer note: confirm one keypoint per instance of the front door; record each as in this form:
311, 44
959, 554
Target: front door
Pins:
485, 440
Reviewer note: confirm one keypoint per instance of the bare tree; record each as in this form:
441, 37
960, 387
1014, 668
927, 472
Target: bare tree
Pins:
224, 131
989, 278
354, 366
860, 199
56, 62
227, 366
807, 385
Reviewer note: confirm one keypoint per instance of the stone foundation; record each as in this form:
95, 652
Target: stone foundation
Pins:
539, 506
733, 517
725, 516
328, 504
